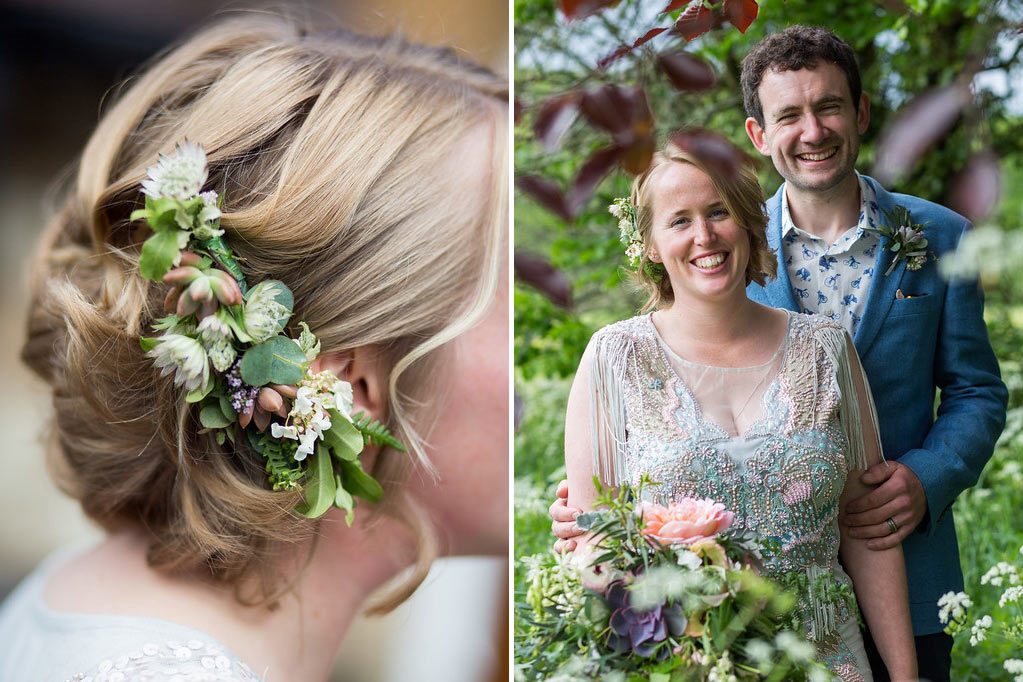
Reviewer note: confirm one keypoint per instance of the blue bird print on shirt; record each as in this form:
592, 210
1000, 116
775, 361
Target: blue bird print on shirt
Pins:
855, 284
852, 262
803, 274
849, 299
802, 293
821, 298
832, 281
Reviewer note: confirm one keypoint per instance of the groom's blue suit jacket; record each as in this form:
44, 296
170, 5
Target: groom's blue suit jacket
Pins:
933, 339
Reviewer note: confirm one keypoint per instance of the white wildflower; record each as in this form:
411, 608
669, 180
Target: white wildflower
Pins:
722, 670
615, 209
184, 356
688, 559
1013, 594
319, 423
1014, 666
954, 603
797, 648
306, 445
978, 633
278, 431
634, 251
263, 314
305, 401
760, 651
341, 398
1002, 572
209, 214
216, 339
179, 175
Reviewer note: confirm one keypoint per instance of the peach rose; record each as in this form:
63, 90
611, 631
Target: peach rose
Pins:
685, 521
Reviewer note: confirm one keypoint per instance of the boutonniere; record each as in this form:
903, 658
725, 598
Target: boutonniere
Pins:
907, 239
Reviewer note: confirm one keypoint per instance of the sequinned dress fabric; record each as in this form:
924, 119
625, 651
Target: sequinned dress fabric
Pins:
782, 473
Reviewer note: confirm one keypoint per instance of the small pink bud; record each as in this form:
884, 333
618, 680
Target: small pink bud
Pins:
186, 306
200, 290
190, 258
246, 416
270, 400
286, 391
182, 275
225, 288
170, 301
262, 419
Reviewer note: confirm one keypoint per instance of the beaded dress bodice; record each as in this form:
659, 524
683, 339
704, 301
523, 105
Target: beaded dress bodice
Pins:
782, 476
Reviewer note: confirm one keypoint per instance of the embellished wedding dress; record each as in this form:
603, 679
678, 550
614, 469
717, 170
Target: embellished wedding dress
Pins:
773, 443
39, 643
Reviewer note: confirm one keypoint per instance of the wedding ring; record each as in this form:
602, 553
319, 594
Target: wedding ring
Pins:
892, 525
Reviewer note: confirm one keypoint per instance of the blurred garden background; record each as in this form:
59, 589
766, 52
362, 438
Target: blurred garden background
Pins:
945, 78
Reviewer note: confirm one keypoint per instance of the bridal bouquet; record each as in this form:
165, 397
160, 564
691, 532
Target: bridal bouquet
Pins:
665, 594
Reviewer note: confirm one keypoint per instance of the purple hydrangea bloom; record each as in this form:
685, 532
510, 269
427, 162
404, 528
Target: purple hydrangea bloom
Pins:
641, 631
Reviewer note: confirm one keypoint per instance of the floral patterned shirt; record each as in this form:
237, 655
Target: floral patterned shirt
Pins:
833, 280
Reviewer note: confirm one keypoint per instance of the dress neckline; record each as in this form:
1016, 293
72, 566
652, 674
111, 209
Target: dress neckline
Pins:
672, 355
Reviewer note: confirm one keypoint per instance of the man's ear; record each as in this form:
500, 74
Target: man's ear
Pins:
755, 131
361, 368
863, 113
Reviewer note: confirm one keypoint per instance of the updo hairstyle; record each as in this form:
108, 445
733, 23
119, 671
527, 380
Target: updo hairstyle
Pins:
326, 148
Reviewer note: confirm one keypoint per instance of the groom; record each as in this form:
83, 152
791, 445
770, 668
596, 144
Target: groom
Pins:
914, 331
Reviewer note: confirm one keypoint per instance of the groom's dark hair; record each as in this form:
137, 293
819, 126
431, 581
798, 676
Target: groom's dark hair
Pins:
795, 48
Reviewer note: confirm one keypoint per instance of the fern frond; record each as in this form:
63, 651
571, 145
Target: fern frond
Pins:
375, 432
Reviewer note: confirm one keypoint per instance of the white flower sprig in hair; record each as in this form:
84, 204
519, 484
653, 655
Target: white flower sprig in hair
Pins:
228, 348
628, 229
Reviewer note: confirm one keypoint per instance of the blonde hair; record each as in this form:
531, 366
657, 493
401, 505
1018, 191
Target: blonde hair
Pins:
742, 197
326, 148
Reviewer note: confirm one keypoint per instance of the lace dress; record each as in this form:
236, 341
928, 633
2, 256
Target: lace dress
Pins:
780, 465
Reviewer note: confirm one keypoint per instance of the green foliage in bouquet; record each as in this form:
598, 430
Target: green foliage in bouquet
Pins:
644, 607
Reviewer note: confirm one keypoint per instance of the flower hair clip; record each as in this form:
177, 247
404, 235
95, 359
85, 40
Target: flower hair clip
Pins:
227, 347
622, 209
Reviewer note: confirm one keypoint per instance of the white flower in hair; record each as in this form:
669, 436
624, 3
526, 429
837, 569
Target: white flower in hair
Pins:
209, 214
185, 357
179, 175
216, 339
263, 314
340, 398
278, 431
306, 445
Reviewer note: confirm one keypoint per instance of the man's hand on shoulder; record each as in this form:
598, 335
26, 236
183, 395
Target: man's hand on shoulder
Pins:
888, 514
563, 520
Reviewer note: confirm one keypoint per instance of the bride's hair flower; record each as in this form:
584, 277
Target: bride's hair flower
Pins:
216, 339
180, 175
185, 357
263, 313
206, 227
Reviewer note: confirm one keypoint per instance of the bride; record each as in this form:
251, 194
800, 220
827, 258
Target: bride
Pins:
715, 396
235, 547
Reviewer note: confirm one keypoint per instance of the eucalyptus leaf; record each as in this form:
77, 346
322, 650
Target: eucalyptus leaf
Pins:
588, 520
227, 409
359, 483
278, 360
344, 500
158, 254
320, 487
212, 418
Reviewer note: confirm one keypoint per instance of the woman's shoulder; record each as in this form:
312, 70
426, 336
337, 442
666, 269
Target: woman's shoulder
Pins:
162, 660
815, 326
631, 328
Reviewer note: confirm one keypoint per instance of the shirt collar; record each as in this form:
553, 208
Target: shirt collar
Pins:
868, 209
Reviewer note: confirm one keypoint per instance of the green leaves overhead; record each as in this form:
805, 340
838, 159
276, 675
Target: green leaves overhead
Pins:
276, 361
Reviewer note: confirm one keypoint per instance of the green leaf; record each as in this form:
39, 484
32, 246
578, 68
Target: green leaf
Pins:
148, 344
236, 325
359, 483
221, 437
226, 409
320, 487
211, 417
344, 500
198, 394
158, 254
344, 439
278, 360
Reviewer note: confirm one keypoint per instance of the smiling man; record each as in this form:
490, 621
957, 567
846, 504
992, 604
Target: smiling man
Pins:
916, 334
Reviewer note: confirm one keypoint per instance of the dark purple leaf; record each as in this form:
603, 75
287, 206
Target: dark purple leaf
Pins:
716, 152
548, 280
592, 172
674, 5
741, 13
608, 108
685, 71
916, 128
976, 189
554, 118
623, 50
577, 9
696, 21
545, 193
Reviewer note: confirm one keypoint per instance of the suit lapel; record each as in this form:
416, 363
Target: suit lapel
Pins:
882, 287
779, 290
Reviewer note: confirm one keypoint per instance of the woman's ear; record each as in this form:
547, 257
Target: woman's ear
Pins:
361, 368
